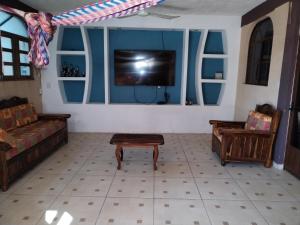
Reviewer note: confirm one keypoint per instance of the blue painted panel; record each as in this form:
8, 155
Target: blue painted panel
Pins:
74, 91
72, 40
211, 93
74, 61
145, 40
97, 50
194, 38
212, 66
214, 43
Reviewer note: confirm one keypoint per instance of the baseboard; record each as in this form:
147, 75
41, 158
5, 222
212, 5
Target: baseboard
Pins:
277, 166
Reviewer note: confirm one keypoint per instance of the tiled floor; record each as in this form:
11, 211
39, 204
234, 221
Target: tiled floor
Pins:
79, 185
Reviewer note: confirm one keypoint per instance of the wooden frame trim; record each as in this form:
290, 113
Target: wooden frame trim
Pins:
261, 10
16, 64
18, 5
287, 78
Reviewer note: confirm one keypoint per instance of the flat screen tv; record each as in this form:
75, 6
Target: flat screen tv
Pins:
145, 67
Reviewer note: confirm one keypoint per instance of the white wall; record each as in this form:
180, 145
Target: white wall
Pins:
150, 118
250, 95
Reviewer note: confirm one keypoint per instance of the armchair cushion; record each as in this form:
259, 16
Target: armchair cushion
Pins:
25, 114
7, 119
258, 121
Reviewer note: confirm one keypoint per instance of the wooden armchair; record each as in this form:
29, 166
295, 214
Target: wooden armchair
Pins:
233, 143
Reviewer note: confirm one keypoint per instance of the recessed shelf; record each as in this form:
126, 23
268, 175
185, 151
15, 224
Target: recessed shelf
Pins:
215, 56
212, 66
214, 43
222, 81
72, 78
212, 93
70, 52
72, 39
73, 90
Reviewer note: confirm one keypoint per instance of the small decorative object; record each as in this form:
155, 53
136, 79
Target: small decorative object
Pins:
64, 70
219, 76
188, 102
69, 70
76, 72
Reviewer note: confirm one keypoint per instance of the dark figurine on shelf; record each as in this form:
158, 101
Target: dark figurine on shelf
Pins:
83, 74
64, 70
76, 72
72, 71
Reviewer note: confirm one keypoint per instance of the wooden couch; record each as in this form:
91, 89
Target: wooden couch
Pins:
233, 143
26, 138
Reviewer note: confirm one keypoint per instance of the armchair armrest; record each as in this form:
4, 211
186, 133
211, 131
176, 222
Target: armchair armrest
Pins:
220, 123
42, 116
224, 131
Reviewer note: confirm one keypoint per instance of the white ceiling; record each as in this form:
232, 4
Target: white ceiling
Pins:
198, 7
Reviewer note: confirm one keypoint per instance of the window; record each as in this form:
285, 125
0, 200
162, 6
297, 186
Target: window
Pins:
259, 56
14, 48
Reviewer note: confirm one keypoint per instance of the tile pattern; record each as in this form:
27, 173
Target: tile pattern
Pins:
79, 185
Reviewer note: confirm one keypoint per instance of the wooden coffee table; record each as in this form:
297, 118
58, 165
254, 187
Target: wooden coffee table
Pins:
136, 140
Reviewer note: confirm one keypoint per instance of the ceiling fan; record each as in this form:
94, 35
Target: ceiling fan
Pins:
145, 13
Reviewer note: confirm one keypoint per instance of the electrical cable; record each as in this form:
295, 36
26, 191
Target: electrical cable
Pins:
141, 102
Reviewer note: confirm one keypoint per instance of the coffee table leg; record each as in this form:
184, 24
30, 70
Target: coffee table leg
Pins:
118, 156
155, 156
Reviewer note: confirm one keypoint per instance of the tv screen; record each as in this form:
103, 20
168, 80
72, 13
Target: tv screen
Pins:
145, 67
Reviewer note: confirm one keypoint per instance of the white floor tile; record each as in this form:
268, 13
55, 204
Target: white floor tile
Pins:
179, 212
126, 211
176, 188
223, 212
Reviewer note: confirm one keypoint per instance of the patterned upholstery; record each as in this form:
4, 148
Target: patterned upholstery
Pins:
7, 138
25, 114
27, 136
258, 121
7, 119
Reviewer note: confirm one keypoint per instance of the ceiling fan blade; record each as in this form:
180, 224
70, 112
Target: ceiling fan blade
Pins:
127, 16
171, 7
164, 16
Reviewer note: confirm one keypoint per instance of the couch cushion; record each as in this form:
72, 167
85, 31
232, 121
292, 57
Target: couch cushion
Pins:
32, 134
7, 119
258, 121
25, 114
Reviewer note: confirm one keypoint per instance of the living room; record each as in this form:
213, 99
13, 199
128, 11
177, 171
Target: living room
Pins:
174, 71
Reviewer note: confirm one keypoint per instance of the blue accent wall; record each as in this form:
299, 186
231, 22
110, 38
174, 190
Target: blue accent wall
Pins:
211, 93
214, 43
74, 91
97, 50
72, 40
145, 40
194, 38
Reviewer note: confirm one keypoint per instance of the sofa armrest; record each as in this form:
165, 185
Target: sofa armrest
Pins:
4, 147
6, 141
43, 116
229, 124
243, 132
